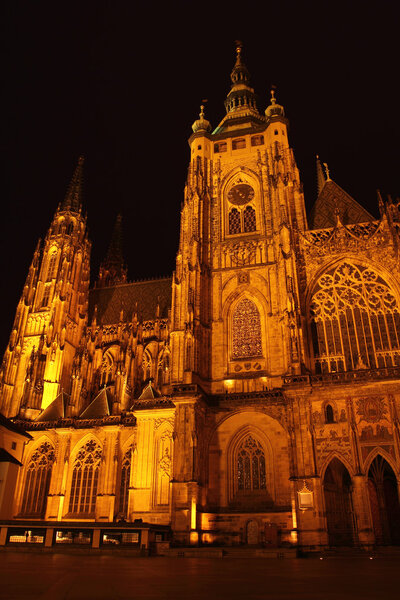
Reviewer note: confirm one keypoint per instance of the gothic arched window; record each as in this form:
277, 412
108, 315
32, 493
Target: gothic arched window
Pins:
249, 219
85, 476
355, 320
124, 484
329, 414
37, 481
251, 474
51, 270
246, 330
234, 221
241, 212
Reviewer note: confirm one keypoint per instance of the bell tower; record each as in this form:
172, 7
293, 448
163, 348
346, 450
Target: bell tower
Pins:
235, 308
51, 313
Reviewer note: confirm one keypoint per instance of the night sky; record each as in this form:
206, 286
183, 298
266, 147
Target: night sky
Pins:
121, 83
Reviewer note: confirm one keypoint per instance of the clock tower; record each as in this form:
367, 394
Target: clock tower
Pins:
235, 312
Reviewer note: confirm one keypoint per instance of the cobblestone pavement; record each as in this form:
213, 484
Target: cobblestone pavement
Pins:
69, 577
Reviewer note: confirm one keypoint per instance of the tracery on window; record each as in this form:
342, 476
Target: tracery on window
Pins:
234, 221
249, 219
85, 478
250, 465
51, 270
124, 484
246, 326
355, 321
37, 481
241, 212
46, 295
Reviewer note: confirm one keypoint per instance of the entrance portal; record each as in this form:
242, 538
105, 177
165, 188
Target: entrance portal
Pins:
384, 502
338, 504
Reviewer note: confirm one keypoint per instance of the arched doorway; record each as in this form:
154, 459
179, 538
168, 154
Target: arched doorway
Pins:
384, 502
338, 504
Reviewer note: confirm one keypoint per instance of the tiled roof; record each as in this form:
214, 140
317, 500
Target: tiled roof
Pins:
332, 197
110, 301
100, 407
7, 457
8, 424
56, 410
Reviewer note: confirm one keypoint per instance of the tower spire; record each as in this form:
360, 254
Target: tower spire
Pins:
112, 269
241, 98
73, 197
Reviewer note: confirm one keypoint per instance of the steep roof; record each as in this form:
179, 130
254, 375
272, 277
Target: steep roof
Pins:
7, 457
332, 197
8, 424
100, 407
143, 294
56, 410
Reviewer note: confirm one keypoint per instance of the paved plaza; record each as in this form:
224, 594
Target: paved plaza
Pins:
82, 577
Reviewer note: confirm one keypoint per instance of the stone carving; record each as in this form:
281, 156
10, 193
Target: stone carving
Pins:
371, 409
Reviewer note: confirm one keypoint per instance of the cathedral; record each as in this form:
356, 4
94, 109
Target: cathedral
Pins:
250, 399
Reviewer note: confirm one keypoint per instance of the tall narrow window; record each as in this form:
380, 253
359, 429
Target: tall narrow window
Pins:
37, 481
246, 327
355, 320
51, 271
250, 466
85, 477
249, 219
234, 221
46, 295
329, 416
124, 485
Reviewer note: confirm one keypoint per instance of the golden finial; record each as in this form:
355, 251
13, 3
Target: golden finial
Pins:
239, 46
273, 99
328, 178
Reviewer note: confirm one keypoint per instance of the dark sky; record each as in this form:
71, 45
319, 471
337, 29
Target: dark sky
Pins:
121, 83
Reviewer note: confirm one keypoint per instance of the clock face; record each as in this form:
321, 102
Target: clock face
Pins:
240, 194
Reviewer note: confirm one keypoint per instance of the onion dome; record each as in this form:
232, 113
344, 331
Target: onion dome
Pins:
274, 109
201, 124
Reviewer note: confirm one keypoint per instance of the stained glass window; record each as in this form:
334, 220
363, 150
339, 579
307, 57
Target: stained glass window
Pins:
85, 477
251, 465
234, 221
246, 330
249, 219
355, 320
37, 481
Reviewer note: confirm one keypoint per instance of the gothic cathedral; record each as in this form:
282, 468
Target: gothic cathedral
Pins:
253, 398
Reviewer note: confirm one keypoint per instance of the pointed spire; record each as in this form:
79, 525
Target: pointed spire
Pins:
112, 269
73, 197
320, 176
241, 97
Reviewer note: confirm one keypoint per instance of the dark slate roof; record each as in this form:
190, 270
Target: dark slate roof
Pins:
8, 424
100, 407
7, 457
149, 392
146, 294
332, 197
56, 410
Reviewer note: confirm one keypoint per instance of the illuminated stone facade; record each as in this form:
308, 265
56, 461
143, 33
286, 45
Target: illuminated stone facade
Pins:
251, 399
